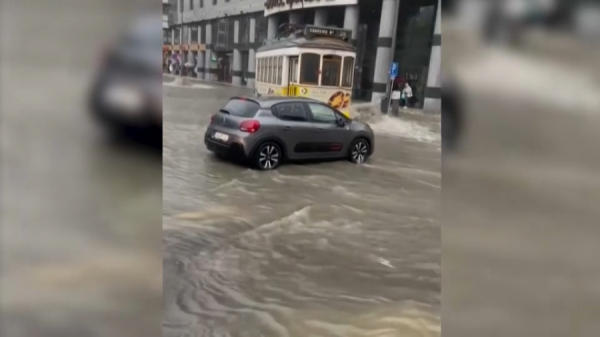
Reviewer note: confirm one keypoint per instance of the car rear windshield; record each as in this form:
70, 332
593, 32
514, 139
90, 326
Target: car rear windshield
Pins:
242, 108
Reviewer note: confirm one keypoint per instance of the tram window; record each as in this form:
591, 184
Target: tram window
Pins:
260, 69
270, 80
294, 69
309, 70
279, 68
267, 59
274, 73
331, 70
271, 70
264, 70
348, 71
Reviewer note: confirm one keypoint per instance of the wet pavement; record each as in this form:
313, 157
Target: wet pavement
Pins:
319, 249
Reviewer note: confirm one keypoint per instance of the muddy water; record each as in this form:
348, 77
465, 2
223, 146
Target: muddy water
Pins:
326, 249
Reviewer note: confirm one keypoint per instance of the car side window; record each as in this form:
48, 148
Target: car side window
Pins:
294, 112
322, 113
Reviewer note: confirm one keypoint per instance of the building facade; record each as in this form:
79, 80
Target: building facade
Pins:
168, 8
220, 38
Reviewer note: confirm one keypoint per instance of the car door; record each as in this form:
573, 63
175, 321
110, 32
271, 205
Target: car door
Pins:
331, 138
295, 129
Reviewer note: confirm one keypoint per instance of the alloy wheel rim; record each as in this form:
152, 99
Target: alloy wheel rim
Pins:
359, 153
268, 157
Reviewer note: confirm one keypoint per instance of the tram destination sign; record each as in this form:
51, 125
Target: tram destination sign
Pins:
327, 32
276, 6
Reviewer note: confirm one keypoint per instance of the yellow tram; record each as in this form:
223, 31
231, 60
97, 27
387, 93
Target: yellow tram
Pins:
315, 62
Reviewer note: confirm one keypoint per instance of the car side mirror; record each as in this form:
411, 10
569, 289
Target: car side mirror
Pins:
340, 122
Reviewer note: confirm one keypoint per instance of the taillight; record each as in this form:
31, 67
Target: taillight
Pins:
250, 126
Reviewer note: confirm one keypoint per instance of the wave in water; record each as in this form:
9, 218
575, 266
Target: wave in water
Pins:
390, 126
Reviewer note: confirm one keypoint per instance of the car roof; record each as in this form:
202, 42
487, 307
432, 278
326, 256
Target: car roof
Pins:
269, 101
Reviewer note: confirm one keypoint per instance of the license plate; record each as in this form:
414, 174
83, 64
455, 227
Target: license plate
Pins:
124, 98
221, 136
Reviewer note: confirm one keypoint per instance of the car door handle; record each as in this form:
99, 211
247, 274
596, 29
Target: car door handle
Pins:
320, 129
287, 128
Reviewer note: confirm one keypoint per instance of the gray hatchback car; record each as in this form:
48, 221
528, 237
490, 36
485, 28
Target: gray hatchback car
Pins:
269, 130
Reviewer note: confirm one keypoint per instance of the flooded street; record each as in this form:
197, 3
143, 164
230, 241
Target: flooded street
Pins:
325, 249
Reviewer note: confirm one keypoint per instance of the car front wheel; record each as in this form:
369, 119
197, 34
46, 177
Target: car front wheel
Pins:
268, 156
359, 151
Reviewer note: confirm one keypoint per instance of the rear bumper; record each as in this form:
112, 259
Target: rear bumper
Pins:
150, 115
232, 150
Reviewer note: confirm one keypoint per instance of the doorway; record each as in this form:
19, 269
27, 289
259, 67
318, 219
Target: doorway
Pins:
224, 67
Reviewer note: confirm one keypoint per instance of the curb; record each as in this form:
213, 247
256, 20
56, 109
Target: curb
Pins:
367, 111
189, 80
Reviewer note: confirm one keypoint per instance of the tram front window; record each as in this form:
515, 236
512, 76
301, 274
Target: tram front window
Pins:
309, 68
331, 70
348, 72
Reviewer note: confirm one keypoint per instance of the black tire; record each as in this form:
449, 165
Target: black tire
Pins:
359, 151
268, 156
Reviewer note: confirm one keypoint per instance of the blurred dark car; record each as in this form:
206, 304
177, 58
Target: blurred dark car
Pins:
452, 115
126, 94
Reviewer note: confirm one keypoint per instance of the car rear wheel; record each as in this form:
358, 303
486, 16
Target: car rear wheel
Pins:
268, 156
359, 151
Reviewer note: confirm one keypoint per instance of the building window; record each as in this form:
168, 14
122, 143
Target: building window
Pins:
194, 34
181, 6
215, 2
348, 72
201, 3
191, 5
309, 68
176, 36
332, 65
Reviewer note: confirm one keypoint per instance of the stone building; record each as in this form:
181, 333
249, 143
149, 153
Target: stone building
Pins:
221, 36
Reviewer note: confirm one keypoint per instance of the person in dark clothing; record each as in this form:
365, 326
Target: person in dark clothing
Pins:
398, 84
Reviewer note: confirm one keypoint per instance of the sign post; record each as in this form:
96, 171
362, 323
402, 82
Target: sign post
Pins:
393, 75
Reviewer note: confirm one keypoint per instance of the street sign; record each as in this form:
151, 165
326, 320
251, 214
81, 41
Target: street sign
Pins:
338, 33
394, 70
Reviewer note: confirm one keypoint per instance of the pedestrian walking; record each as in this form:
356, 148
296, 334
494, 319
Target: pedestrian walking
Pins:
406, 95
